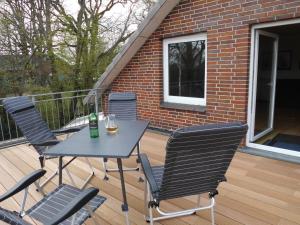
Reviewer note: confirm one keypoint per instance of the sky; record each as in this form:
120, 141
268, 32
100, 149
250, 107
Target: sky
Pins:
72, 7
117, 13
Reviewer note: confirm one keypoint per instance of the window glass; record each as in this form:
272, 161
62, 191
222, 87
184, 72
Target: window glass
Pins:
187, 69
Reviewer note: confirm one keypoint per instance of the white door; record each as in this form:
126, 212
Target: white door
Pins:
265, 71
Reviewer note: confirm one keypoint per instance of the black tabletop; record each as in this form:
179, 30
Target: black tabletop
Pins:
119, 145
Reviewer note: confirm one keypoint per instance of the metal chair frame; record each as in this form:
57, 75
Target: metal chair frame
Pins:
22, 104
197, 158
125, 98
168, 215
68, 211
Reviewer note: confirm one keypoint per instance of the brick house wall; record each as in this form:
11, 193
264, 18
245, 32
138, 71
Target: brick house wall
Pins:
228, 27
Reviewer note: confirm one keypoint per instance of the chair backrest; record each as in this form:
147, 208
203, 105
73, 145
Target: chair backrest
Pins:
198, 157
10, 217
123, 105
28, 120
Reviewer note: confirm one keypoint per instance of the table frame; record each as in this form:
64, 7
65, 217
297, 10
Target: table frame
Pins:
124, 206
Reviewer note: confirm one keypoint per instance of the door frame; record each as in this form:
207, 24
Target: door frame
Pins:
254, 29
254, 137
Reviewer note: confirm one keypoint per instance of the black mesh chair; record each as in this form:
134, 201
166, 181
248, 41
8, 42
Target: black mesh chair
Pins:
197, 159
65, 205
123, 105
36, 131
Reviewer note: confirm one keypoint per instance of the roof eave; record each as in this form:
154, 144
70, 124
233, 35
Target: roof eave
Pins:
155, 17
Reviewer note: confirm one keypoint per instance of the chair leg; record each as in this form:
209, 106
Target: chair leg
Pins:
90, 165
56, 173
168, 215
88, 208
138, 168
138, 160
150, 208
71, 178
127, 218
139, 163
198, 201
105, 169
212, 216
48, 180
90, 176
42, 161
151, 216
146, 210
73, 219
22, 211
38, 187
87, 180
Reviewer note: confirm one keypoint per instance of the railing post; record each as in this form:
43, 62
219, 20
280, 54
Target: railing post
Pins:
33, 99
2, 134
47, 105
96, 102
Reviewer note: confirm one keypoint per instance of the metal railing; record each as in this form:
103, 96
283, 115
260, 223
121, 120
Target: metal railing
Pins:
60, 109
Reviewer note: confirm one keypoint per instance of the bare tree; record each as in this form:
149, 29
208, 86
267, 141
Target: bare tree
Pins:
42, 31
92, 37
28, 32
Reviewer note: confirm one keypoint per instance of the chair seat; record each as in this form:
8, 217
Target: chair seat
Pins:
45, 210
11, 217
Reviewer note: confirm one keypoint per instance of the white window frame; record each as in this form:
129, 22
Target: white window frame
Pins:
180, 99
251, 89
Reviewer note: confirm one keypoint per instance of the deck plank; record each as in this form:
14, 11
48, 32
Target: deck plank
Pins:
259, 191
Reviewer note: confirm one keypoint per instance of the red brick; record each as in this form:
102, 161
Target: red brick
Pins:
228, 26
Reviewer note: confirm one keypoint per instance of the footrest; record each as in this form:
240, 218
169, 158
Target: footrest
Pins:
45, 210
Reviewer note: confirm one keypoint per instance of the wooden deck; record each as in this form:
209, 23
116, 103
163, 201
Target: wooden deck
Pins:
259, 191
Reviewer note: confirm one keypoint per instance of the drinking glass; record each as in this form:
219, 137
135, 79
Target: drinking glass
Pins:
111, 124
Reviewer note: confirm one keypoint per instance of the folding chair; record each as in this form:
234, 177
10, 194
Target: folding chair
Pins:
65, 205
197, 159
37, 132
123, 105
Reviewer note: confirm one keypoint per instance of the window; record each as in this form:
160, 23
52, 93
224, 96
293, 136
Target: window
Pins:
185, 69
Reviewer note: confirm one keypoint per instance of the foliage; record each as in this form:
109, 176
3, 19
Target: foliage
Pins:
45, 48
62, 50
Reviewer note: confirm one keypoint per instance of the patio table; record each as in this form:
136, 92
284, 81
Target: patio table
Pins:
119, 146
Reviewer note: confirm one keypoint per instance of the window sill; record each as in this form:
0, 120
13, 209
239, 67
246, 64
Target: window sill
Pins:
171, 105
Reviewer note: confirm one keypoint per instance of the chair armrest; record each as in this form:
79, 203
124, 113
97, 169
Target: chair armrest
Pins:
75, 205
148, 172
46, 143
24, 183
67, 130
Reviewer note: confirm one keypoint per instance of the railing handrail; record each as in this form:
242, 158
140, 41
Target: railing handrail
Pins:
58, 109
55, 93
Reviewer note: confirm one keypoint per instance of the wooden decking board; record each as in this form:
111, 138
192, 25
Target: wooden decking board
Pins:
286, 222
259, 191
287, 197
247, 209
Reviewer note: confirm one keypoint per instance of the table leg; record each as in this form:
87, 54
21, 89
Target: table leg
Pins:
124, 205
60, 165
139, 163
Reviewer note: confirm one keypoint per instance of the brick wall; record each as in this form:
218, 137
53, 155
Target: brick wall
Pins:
228, 27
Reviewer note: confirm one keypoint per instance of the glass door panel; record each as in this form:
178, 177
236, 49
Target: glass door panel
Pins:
264, 83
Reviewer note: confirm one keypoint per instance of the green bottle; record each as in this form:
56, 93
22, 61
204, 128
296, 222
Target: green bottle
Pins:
93, 124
